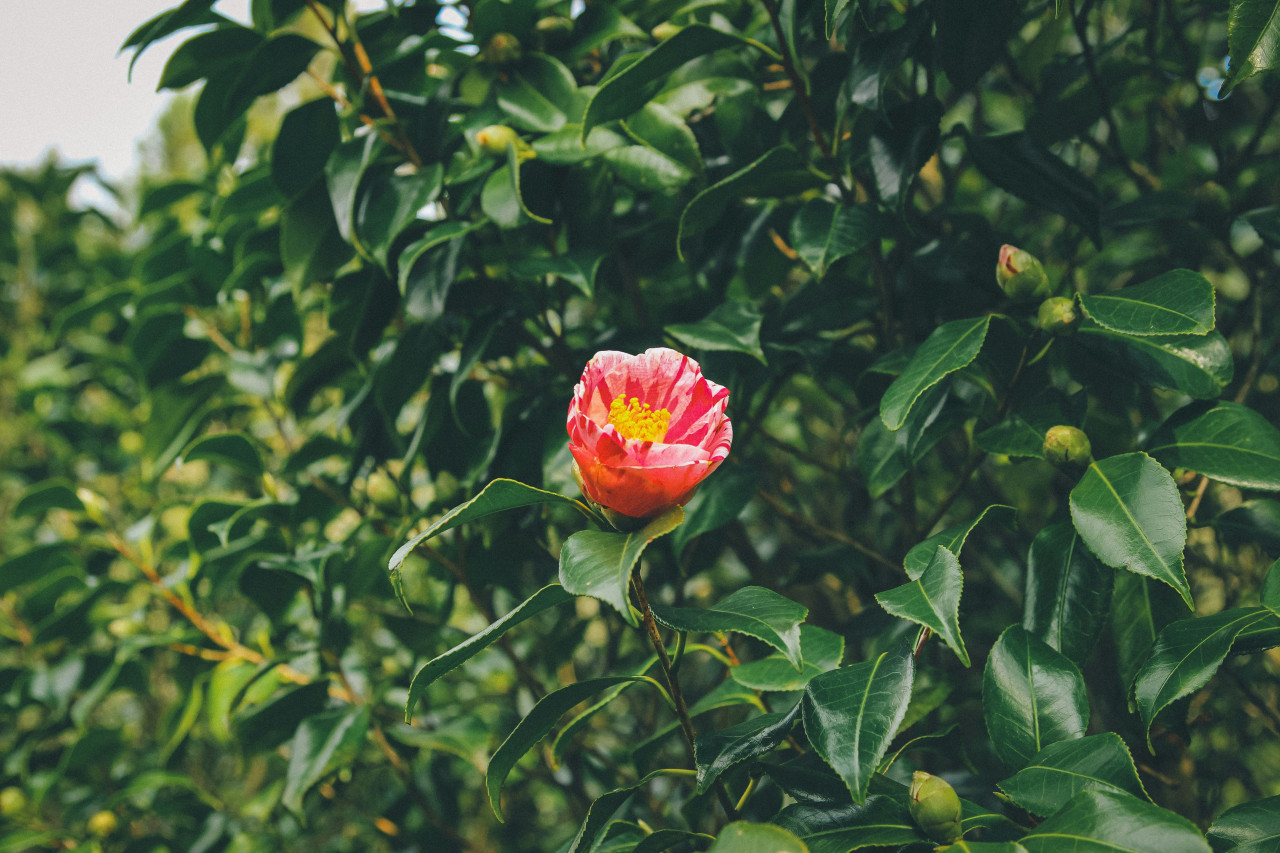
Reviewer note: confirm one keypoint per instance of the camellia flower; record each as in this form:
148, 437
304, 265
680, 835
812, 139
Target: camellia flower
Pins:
646, 429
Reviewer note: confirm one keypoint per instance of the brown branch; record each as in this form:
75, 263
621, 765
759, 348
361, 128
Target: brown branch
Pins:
797, 84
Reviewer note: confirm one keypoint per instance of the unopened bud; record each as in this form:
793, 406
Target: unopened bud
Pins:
1066, 445
103, 824
935, 807
665, 30
1058, 316
495, 139
503, 49
1020, 274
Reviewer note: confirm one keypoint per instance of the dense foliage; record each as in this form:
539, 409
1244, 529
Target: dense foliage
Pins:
293, 556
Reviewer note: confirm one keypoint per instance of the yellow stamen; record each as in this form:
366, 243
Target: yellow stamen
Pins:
634, 419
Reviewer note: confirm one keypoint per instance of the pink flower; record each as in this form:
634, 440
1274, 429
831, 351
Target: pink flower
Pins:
646, 429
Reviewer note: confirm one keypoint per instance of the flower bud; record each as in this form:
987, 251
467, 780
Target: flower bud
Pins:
665, 30
1066, 445
1020, 274
1058, 316
12, 801
503, 49
103, 823
495, 138
935, 807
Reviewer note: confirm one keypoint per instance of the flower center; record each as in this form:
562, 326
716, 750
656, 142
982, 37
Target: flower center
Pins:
633, 419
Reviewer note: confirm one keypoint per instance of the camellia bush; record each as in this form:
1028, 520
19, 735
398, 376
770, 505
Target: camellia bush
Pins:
757, 426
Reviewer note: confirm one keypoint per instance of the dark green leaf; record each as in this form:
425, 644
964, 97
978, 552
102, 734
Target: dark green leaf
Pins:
731, 327
1199, 366
645, 169
720, 499
932, 600
1061, 770
232, 449
39, 562
823, 232
972, 36
1253, 38
1032, 697
390, 203
1108, 822
42, 497
538, 95
851, 715
953, 539
208, 53
821, 650
1179, 302
190, 13
659, 128
1127, 510
717, 752
1140, 609
752, 610
1224, 441
599, 564
828, 828
324, 743
1266, 221
1252, 521
1247, 828
501, 198
308, 134
344, 172
1068, 592
743, 837
950, 347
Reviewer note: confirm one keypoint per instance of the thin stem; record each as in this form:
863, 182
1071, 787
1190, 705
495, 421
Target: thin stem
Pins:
827, 533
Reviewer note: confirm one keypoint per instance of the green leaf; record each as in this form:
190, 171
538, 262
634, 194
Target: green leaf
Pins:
1179, 302
1061, 770
962, 846
1253, 39
535, 726
950, 347
778, 172
1068, 592
823, 232
1271, 587
731, 327
325, 743
390, 203
932, 600
743, 837
208, 53
1252, 827
499, 496
659, 128
501, 199
47, 495
343, 173
972, 36
232, 449
308, 134
599, 564
717, 752
1199, 366
645, 169
752, 610
821, 650
1032, 697
1140, 609
1108, 822
578, 267
1186, 655
953, 539
538, 95
551, 595
852, 714
190, 13
1127, 510
1224, 441
39, 562
720, 500
603, 808
633, 87
844, 827
435, 237
564, 147
1252, 521
1266, 221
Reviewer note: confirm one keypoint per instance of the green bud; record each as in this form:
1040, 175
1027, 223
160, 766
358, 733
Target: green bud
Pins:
12, 801
1020, 275
554, 30
935, 807
1058, 315
103, 824
665, 30
495, 139
503, 49
1066, 445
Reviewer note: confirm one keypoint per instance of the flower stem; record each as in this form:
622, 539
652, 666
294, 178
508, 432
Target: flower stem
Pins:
673, 686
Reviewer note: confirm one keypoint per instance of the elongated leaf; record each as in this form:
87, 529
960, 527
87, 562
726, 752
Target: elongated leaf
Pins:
962, 846
307, 137
852, 714
743, 837
599, 564
47, 495
1186, 655
1248, 828
498, 496
661, 129
1108, 822
232, 449
718, 751
1253, 37
752, 610
823, 232
1032, 697
601, 810
534, 727
569, 730
951, 346
324, 743
731, 327
1271, 587
502, 200
1252, 521
953, 539
1068, 592
551, 595
633, 87
1224, 441
720, 500
646, 169
932, 600
1127, 510
821, 650
1199, 366
1061, 770
1140, 609
1176, 303
827, 828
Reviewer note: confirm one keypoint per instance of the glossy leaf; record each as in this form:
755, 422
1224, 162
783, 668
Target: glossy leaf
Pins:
716, 752
830, 828
1061, 770
851, 715
1247, 828
743, 837
502, 199
1068, 592
659, 128
1108, 822
599, 564
645, 169
823, 232
1224, 441
732, 327
1199, 366
1179, 302
1252, 521
821, 650
231, 449
1127, 510
720, 500
390, 203
601, 810
950, 347
551, 595
971, 37
1032, 697
535, 726
932, 600
1186, 655
1253, 38
752, 610
952, 538
1140, 609
325, 743
208, 53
